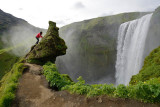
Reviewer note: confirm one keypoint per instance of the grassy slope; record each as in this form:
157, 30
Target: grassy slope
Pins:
6, 63
8, 85
151, 68
7, 60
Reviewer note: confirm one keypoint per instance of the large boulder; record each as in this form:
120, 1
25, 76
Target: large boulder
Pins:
48, 48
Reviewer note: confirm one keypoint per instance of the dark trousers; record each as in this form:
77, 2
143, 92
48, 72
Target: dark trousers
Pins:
37, 40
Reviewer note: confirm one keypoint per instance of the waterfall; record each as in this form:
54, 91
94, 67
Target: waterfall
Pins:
130, 48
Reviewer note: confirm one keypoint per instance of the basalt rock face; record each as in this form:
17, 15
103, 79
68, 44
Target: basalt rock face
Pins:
49, 48
153, 37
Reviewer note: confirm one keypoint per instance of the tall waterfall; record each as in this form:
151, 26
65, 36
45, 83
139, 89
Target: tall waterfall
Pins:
130, 48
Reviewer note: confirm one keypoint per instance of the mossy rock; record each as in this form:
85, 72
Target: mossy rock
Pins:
49, 48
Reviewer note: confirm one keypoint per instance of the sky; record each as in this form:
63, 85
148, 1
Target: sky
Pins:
63, 12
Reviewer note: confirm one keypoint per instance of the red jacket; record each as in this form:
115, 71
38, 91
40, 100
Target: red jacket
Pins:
38, 35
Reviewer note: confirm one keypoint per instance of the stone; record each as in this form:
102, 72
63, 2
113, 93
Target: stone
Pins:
48, 48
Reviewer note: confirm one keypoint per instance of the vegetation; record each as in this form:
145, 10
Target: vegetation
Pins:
9, 83
7, 61
148, 91
151, 68
56, 80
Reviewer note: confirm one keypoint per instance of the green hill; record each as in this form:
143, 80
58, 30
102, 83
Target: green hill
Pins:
7, 21
6, 62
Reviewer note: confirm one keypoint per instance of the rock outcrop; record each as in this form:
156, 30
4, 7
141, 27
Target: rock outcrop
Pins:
48, 48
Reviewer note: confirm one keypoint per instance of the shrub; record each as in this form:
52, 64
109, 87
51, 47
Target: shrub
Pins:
79, 87
55, 79
121, 91
148, 91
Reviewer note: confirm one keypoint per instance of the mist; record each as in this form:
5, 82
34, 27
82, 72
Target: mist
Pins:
86, 55
21, 37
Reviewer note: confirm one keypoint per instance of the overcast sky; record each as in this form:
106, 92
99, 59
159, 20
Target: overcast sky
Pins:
39, 12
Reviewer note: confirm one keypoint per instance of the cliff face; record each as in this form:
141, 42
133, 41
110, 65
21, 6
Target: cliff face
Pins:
7, 21
153, 36
49, 48
92, 47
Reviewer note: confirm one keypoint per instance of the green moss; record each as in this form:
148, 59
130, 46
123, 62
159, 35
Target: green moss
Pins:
49, 48
151, 68
9, 83
34, 61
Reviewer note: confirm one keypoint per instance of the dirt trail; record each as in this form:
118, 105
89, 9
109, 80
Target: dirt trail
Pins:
33, 91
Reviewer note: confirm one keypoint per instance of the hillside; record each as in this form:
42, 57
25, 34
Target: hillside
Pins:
12, 28
6, 63
92, 48
7, 21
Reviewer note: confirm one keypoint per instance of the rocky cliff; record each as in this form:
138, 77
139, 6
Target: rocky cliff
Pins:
49, 48
153, 36
7, 21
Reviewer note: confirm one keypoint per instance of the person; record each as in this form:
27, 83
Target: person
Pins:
39, 35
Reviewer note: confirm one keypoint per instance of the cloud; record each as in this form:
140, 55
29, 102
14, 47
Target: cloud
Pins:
75, 10
63, 21
106, 14
79, 5
60, 22
20, 9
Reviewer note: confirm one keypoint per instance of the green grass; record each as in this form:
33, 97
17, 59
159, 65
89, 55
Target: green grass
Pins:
5, 50
148, 91
151, 68
6, 63
8, 85
8, 59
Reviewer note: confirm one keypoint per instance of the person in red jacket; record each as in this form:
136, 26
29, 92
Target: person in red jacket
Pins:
39, 35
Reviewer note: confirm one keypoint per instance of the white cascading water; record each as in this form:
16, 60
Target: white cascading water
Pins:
130, 48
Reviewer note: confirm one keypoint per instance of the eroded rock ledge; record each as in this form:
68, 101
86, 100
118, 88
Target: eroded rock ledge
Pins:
48, 48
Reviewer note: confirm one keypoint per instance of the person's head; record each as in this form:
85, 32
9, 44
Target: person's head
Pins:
41, 33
